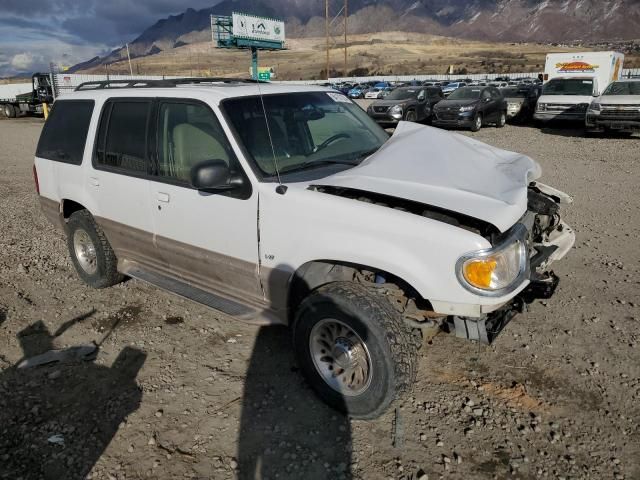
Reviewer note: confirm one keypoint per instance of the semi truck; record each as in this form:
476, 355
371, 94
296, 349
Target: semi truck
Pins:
26, 98
572, 80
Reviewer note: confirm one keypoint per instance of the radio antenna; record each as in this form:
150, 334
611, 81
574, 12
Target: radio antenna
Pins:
273, 150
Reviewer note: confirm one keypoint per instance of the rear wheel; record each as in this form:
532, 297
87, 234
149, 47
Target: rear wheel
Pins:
477, 123
90, 251
354, 349
9, 111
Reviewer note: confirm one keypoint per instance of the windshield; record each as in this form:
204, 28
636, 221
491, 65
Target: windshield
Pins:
623, 88
403, 94
307, 130
573, 86
465, 93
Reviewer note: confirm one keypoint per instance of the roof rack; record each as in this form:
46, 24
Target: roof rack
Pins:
173, 82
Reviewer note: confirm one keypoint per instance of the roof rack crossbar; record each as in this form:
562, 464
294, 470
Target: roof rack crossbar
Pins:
142, 83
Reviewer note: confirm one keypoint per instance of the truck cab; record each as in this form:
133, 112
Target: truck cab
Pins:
29, 102
572, 80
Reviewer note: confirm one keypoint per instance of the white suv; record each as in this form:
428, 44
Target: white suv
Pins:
288, 204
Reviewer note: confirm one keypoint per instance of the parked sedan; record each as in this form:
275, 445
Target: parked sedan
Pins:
471, 107
412, 104
358, 91
452, 87
377, 93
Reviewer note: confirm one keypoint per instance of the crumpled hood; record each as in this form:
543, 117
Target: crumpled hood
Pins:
446, 170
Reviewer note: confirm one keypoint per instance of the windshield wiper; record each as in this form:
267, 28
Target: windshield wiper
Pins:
314, 163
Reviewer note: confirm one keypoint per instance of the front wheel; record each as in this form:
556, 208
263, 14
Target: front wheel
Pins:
502, 120
477, 123
411, 116
354, 349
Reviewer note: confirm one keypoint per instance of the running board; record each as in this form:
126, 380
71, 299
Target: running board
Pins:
185, 290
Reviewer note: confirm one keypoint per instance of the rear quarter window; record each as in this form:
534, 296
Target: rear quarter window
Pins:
64, 134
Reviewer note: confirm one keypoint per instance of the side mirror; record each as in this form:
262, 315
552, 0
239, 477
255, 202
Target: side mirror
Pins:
214, 176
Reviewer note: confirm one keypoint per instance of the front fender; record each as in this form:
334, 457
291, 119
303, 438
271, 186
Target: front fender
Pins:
303, 226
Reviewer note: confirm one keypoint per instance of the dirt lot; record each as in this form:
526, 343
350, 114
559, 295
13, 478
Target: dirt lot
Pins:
177, 391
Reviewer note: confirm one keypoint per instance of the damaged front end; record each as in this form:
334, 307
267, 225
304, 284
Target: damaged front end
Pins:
548, 239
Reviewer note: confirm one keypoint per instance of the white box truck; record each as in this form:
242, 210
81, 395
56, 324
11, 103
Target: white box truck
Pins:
571, 80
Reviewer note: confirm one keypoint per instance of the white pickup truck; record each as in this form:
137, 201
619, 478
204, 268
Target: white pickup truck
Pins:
571, 80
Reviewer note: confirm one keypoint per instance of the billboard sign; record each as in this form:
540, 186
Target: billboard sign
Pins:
257, 28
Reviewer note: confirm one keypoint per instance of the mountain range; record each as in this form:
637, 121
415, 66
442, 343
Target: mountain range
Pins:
490, 20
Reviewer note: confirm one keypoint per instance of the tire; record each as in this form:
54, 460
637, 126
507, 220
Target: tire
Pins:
502, 120
477, 122
411, 116
98, 266
382, 342
9, 111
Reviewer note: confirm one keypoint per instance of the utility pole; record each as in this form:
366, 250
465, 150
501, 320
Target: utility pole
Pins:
326, 27
346, 15
344, 12
129, 57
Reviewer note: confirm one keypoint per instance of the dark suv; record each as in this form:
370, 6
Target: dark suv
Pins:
471, 107
412, 104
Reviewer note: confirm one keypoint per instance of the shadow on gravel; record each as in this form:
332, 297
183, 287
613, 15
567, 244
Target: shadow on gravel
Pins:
286, 431
57, 419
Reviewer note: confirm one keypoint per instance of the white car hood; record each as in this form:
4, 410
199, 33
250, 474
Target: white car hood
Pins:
565, 99
620, 100
446, 170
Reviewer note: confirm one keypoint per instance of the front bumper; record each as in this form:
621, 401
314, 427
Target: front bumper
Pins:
461, 121
596, 123
542, 285
562, 116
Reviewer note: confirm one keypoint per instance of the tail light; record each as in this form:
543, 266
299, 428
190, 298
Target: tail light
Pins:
35, 179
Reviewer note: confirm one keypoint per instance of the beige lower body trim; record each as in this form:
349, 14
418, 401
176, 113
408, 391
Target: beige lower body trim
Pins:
228, 277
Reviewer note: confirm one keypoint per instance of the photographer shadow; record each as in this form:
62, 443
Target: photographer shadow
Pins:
57, 419
286, 431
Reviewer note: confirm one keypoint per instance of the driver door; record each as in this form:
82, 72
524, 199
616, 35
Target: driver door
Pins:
208, 240
488, 106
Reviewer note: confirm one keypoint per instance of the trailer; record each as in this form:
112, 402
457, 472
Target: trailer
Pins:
26, 98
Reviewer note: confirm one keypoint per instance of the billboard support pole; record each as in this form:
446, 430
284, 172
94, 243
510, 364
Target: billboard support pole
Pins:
254, 63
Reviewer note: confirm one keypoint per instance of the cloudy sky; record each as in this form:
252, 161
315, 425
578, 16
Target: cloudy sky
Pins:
36, 32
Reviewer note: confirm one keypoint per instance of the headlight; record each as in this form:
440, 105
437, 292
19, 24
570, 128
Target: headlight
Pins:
467, 108
396, 111
541, 107
595, 106
498, 270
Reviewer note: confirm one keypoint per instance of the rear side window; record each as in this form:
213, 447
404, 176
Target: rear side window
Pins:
65, 132
122, 138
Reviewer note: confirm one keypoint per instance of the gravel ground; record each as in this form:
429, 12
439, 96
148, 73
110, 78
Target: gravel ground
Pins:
178, 391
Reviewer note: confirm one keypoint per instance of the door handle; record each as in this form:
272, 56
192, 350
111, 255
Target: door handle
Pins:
163, 197
93, 181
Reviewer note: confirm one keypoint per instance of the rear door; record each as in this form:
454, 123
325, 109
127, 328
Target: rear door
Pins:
209, 240
119, 179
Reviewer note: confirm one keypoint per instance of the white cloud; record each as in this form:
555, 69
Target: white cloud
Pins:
23, 61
